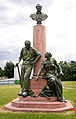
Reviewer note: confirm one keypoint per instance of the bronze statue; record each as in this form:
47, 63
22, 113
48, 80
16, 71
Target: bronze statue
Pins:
29, 56
38, 16
52, 74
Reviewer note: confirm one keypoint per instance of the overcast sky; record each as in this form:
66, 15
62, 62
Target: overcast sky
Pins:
16, 26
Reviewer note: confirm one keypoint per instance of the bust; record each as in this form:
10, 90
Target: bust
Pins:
38, 16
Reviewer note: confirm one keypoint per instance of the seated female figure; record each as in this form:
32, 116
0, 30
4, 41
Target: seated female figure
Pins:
51, 74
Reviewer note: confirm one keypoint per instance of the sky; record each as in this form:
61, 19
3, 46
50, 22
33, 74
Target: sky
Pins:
16, 26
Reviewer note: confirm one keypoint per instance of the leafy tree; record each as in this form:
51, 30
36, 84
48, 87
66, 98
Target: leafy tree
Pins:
9, 70
69, 70
73, 70
1, 72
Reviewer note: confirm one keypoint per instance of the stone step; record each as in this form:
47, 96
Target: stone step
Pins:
35, 104
44, 110
28, 98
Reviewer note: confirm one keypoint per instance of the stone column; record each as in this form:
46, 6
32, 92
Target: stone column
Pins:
39, 43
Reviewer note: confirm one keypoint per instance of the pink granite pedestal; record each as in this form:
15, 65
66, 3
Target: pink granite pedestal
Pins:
39, 43
38, 104
37, 86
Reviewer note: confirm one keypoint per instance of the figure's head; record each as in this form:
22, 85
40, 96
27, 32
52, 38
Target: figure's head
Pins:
27, 44
48, 55
38, 7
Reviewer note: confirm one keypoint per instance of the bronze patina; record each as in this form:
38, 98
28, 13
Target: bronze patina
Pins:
52, 75
29, 55
39, 16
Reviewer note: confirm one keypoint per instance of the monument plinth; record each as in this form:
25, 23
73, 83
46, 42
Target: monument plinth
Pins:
39, 42
29, 104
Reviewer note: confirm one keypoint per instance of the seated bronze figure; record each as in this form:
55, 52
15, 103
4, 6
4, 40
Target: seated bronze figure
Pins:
52, 74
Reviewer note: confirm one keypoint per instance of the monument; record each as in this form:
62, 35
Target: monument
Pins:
42, 93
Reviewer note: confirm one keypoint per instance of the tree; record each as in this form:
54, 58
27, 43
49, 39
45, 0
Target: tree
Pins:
73, 70
66, 70
1, 72
69, 70
9, 69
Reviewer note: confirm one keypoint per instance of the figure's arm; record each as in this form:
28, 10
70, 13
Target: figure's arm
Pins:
59, 67
33, 16
44, 16
39, 72
38, 55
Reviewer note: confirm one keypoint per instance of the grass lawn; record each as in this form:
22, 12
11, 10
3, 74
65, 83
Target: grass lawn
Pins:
9, 92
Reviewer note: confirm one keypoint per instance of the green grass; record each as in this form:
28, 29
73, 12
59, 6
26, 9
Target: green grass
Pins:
70, 84
9, 92
35, 116
70, 94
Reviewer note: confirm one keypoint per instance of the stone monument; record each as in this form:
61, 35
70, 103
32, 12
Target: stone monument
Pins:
47, 96
39, 42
